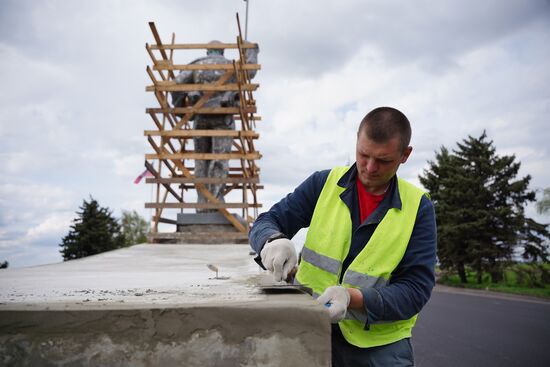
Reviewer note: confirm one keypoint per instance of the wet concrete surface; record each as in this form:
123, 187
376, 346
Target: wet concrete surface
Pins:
136, 276
157, 305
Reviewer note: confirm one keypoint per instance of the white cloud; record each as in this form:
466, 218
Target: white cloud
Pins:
56, 223
33, 216
37, 196
30, 79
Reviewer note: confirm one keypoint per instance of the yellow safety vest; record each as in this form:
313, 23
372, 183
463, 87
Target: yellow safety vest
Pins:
327, 245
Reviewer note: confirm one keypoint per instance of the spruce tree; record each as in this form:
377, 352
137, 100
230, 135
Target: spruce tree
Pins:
441, 175
479, 206
92, 232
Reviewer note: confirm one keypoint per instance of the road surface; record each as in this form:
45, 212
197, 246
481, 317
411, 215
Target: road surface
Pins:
476, 328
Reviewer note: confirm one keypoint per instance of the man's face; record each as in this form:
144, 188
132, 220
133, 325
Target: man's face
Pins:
378, 162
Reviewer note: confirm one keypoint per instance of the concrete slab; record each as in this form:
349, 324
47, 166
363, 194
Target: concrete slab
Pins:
157, 305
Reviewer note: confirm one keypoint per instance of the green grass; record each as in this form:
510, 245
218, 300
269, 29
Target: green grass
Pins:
524, 279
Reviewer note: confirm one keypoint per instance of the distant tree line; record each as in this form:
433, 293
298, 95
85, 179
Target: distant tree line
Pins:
95, 230
480, 209
543, 206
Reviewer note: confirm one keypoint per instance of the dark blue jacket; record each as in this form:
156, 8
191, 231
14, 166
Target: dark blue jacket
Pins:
412, 281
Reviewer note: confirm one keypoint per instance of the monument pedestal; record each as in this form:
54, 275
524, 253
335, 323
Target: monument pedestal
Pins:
204, 228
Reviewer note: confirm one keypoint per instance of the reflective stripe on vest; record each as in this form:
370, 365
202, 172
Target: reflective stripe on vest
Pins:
321, 261
356, 279
327, 245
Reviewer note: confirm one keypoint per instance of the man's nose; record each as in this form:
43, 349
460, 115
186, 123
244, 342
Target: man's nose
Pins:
372, 166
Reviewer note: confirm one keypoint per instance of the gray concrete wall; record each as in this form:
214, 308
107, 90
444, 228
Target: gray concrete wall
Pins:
172, 312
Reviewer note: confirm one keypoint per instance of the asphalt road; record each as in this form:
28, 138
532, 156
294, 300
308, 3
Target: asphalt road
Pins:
468, 328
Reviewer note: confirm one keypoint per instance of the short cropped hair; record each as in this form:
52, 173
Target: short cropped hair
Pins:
384, 123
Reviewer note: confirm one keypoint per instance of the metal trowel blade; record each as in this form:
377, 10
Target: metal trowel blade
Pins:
286, 288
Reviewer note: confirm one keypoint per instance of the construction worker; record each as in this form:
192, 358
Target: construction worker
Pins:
370, 250
203, 144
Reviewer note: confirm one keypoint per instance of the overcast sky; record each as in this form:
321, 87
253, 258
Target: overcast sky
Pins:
72, 95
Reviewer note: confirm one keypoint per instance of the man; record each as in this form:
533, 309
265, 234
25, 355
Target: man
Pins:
370, 250
204, 144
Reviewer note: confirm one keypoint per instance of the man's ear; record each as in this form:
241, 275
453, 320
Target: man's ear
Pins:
406, 154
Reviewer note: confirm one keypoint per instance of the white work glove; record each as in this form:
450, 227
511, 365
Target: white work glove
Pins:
336, 299
279, 257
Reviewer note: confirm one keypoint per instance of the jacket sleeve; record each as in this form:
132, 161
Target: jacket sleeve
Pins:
412, 281
289, 215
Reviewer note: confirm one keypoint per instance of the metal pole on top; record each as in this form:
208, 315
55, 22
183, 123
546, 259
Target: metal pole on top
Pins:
246, 21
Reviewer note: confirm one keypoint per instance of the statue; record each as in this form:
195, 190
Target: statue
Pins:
205, 144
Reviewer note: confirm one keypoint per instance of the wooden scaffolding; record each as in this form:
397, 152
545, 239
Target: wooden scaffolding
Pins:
171, 163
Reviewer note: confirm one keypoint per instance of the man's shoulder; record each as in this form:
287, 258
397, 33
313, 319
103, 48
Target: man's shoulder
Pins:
322, 173
339, 174
317, 178
402, 183
409, 184
425, 200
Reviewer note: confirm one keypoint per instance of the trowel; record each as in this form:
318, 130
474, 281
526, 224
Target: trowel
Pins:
266, 284
286, 288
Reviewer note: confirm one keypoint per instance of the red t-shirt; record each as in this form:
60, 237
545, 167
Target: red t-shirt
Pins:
367, 201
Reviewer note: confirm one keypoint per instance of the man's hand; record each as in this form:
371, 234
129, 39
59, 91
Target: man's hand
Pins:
337, 299
279, 257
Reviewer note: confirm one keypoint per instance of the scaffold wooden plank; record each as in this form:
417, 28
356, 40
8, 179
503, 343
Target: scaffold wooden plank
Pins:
167, 65
217, 205
203, 110
191, 133
195, 46
206, 156
172, 86
205, 180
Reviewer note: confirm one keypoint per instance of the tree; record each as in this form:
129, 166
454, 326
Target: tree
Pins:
4, 265
534, 240
440, 176
543, 206
134, 228
535, 235
92, 232
479, 207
